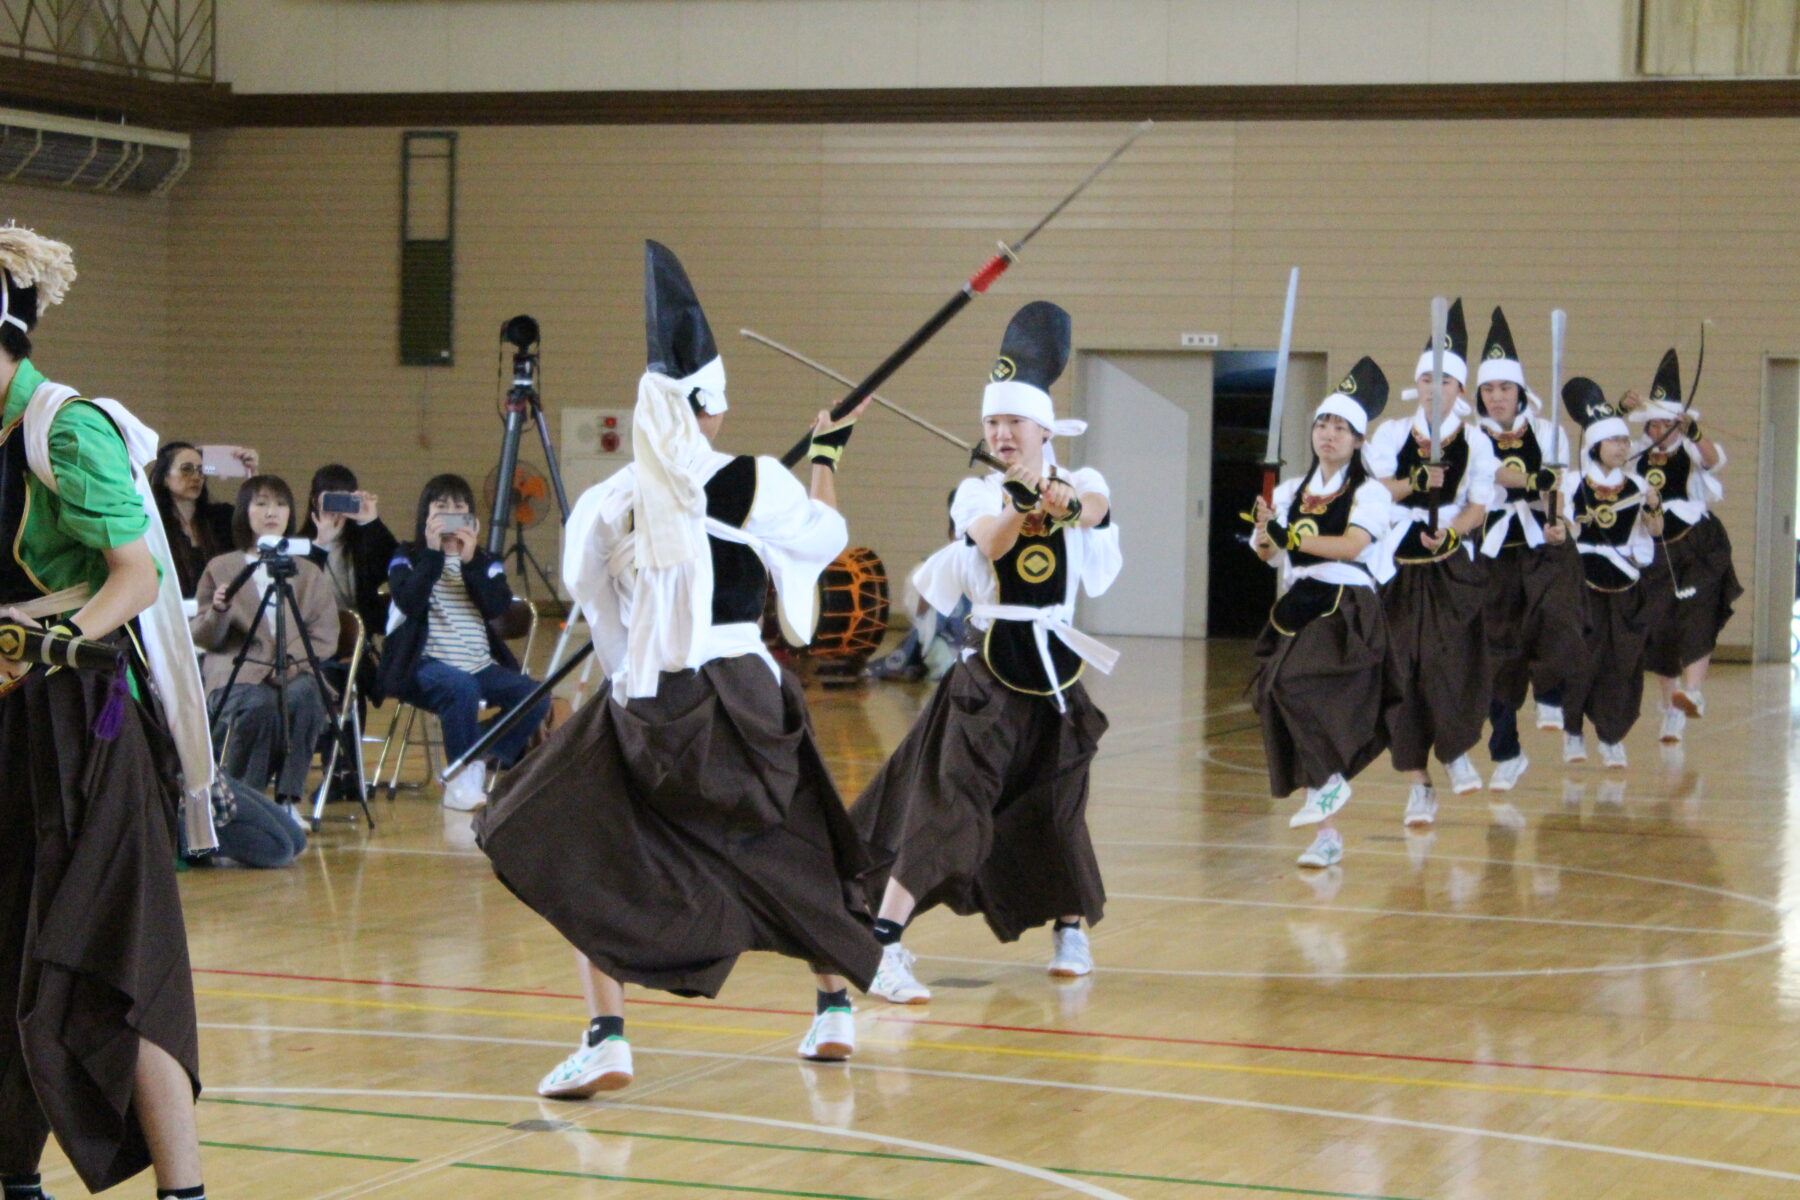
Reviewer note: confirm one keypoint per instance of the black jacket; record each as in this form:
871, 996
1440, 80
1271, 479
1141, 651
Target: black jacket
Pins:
371, 548
412, 574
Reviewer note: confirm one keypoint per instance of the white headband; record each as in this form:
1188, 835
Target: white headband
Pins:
1454, 367
707, 385
1339, 405
1010, 398
1501, 370
6, 317
1661, 410
1599, 431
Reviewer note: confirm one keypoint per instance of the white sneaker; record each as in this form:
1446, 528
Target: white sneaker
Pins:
1674, 724
1574, 748
1421, 805
1690, 702
832, 1037
894, 980
1506, 774
591, 1069
467, 791
1464, 778
1549, 716
1613, 755
1073, 957
1327, 850
1321, 803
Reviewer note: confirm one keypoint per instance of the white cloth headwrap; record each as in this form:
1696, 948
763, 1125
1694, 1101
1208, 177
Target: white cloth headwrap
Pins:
1506, 370
6, 316
1454, 367
1662, 410
672, 592
1338, 404
1599, 431
1010, 398
707, 385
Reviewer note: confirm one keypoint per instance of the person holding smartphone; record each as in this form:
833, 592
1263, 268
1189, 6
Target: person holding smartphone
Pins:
353, 546
441, 654
198, 527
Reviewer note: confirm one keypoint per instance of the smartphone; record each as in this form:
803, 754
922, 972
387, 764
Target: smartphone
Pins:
457, 522
339, 502
222, 461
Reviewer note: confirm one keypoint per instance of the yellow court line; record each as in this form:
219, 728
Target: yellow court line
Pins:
1061, 1055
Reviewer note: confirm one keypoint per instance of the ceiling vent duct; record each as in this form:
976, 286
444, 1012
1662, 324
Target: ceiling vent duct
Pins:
89, 156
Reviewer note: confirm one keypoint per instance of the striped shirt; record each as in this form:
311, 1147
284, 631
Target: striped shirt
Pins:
455, 633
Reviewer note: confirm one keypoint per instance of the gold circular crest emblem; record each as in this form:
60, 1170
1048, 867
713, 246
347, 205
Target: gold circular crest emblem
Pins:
1659, 392
1004, 369
1495, 352
1605, 517
1304, 528
12, 643
1517, 464
1348, 387
1656, 478
1037, 564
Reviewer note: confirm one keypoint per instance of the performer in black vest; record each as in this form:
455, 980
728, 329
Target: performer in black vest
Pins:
1321, 661
1617, 516
983, 806
1533, 611
684, 816
1433, 587
1694, 587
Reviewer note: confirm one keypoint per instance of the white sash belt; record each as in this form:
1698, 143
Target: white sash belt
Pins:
1520, 510
1611, 554
1044, 622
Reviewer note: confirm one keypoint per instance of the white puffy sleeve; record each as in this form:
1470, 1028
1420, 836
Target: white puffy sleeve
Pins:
1641, 548
597, 561
1371, 509
1709, 476
1101, 558
798, 537
976, 497
1381, 452
1483, 462
1565, 493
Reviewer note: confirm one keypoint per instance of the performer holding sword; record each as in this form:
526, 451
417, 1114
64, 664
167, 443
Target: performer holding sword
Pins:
99, 1043
1442, 482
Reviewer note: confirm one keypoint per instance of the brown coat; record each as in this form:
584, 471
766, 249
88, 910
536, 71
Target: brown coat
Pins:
221, 635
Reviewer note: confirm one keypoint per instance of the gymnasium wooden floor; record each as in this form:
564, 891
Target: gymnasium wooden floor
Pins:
1592, 995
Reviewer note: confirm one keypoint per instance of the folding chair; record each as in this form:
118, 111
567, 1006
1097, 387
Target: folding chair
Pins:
520, 620
346, 738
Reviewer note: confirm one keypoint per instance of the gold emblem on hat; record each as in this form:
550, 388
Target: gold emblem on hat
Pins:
1037, 564
1348, 387
1496, 351
1004, 369
1659, 392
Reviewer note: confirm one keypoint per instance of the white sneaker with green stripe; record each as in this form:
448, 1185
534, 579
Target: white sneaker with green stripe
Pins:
832, 1037
589, 1071
1322, 802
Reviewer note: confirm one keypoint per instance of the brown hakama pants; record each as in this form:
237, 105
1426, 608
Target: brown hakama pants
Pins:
668, 835
93, 952
1607, 686
1322, 692
1682, 632
983, 806
1437, 648
1533, 617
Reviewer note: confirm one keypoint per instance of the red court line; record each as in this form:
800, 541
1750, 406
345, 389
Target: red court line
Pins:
1050, 1032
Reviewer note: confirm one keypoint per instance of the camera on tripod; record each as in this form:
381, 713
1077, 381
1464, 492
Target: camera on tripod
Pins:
523, 403
276, 555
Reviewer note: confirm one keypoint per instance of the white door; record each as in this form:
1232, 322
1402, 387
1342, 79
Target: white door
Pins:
1149, 429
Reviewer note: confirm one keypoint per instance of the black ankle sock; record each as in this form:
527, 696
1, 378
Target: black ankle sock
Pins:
601, 1028
22, 1187
837, 999
197, 1192
1075, 924
888, 932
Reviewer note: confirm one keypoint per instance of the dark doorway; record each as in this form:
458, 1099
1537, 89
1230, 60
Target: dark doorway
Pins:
1240, 587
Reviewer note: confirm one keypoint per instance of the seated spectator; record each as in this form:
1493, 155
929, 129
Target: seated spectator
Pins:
441, 654
353, 549
198, 528
252, 831
223, 627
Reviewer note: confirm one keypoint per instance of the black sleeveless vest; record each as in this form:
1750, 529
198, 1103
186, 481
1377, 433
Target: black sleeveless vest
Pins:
1601, 523
1456, 464
1322, 515
1034, 572
1670, 475
16, 585
740, 581
1521, 452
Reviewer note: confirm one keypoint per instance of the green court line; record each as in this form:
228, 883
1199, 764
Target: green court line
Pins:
674, 1183
880, 1154
316, 1153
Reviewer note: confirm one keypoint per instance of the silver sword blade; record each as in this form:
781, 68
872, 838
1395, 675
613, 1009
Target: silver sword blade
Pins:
1440, 317
1278, 401
1139, 131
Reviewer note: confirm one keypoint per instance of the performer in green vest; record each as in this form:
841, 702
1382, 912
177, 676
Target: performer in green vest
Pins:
98, 1043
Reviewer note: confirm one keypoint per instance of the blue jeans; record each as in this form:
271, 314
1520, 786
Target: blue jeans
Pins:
457, 696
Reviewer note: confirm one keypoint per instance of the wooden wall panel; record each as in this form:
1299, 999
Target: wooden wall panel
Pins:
841, 239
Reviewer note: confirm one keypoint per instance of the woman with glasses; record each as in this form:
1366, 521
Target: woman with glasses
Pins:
197, 526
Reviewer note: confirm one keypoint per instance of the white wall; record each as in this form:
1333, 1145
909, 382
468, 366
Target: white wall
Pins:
535, 45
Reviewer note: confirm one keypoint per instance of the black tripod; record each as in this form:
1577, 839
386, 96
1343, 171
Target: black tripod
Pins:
522, 399
282, 568
519, 556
